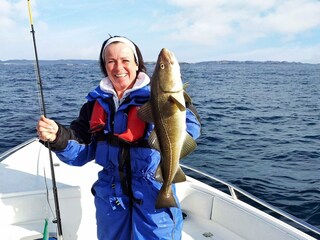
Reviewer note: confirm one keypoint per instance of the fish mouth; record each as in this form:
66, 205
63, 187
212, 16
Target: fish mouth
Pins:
120, 75
167, 56
168, 64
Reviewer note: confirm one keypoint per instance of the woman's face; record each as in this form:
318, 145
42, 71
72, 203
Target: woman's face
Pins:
120, 66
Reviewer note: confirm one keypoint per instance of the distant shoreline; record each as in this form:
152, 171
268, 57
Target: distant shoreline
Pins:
87, 62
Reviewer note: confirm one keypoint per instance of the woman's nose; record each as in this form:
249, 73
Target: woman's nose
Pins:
119, 65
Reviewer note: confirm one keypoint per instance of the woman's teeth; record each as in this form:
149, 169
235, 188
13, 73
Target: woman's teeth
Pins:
121, 75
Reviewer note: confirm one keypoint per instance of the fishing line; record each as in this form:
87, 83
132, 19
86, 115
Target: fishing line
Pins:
45, 231
47, 191
39, 81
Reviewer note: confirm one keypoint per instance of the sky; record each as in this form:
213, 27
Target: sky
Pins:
195, 30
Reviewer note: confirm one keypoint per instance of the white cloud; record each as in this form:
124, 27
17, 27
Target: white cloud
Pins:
214, 21
68, 44
53, 42
287, 20
10, 16
15, 29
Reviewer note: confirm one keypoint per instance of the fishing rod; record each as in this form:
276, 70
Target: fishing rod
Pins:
39, 81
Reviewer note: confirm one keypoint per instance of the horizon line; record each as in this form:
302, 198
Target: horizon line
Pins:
181, 62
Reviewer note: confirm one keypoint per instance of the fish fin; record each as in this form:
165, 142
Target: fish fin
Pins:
187, 98
178, 102
189, 145
153, 140
180, 176
165, 198
158, 174
145, 112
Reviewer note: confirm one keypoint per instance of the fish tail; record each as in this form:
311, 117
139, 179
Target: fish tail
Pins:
165, 198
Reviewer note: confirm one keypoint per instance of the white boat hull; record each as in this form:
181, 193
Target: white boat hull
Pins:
24, 175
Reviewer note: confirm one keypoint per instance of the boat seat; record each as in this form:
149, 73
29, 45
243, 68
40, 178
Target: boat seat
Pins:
244, 220
24, 213
217, 216
197, 205
22, 207
18, 233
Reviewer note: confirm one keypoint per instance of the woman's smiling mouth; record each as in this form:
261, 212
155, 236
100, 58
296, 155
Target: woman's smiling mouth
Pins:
120, 75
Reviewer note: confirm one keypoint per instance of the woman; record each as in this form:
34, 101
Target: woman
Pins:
126, 189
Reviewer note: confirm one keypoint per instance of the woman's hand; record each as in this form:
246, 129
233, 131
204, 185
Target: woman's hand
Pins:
47, 129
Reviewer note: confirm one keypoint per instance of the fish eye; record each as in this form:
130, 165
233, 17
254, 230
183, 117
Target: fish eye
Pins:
162, 66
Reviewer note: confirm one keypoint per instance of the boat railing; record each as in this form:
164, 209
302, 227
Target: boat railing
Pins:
233, 190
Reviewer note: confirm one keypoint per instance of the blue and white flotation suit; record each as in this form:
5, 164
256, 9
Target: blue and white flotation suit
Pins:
124, 212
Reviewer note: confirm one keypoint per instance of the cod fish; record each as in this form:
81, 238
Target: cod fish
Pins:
166, 108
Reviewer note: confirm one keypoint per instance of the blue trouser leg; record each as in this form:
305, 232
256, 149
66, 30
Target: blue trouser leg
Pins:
150, 223
112, 224
163, 224
118, 220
